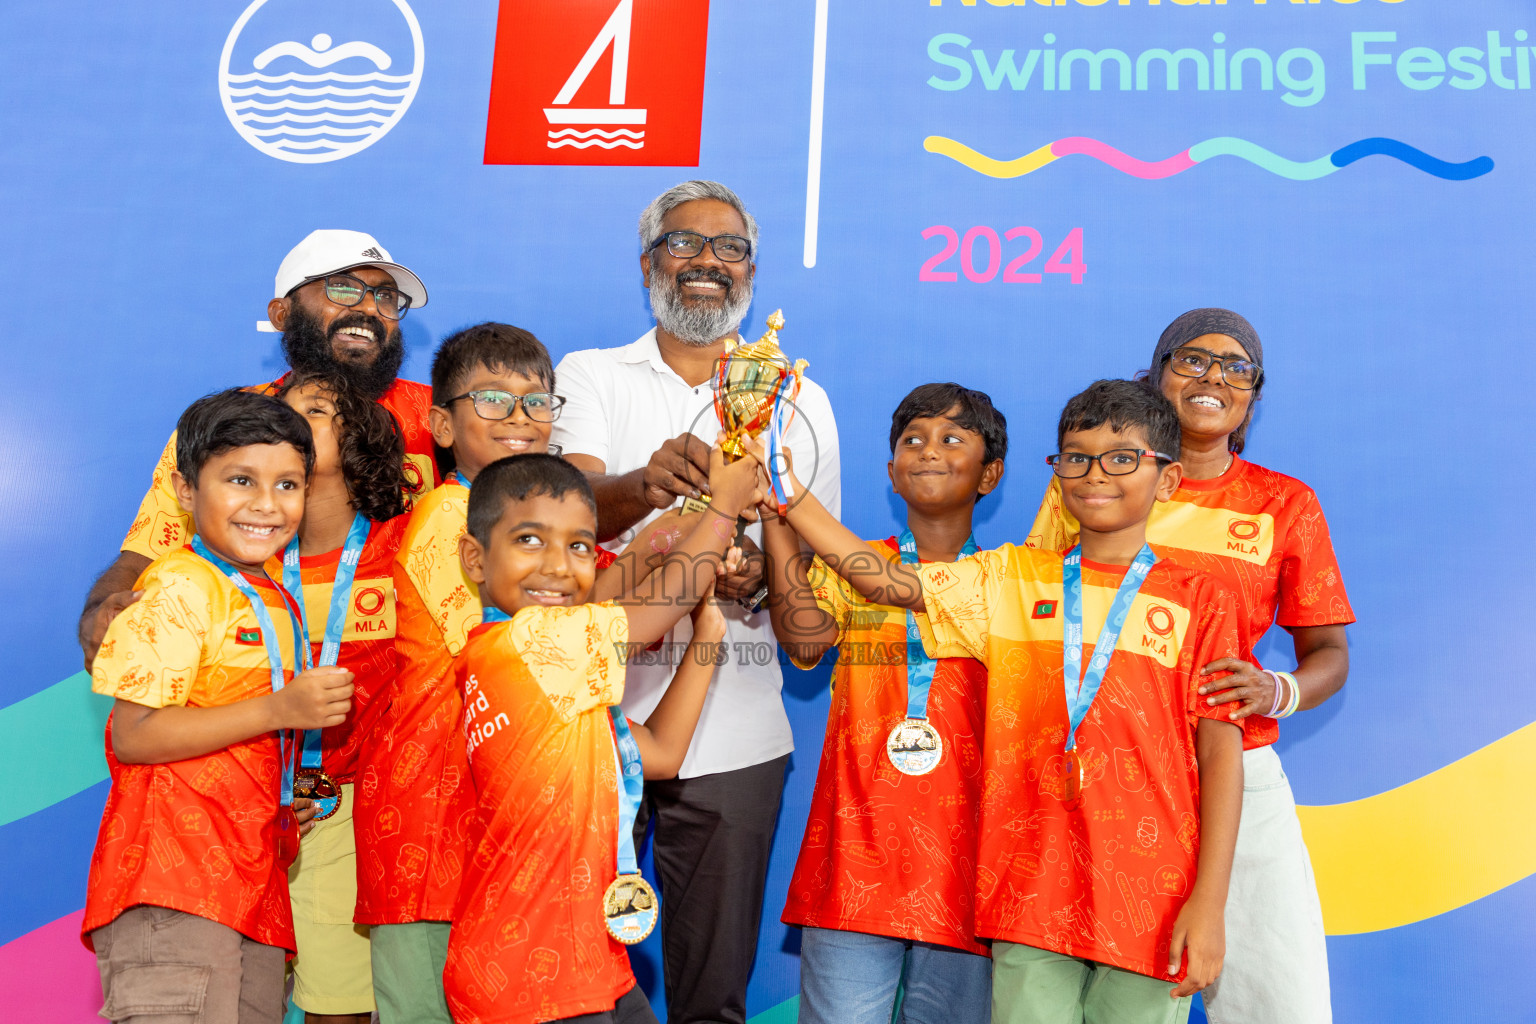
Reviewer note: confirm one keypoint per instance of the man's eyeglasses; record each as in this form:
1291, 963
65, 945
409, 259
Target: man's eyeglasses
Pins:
500, 405
1116, 462
346, 290
1194, 362
688, 244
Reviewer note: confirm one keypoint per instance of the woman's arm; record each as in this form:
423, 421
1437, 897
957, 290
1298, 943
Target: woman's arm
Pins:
1322, 663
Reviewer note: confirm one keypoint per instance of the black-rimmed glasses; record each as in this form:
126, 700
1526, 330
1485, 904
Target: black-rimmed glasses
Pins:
1115, 462
688, 244
499, 405
346, 290
1189, 361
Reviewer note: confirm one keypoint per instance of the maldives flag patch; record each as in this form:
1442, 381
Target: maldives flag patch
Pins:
1044, 610
248, 637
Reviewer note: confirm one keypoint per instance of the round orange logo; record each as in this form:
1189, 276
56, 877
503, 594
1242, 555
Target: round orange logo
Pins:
1243, 529
1160, 620
368, 601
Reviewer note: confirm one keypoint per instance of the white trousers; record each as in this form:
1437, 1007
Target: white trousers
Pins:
1276, 969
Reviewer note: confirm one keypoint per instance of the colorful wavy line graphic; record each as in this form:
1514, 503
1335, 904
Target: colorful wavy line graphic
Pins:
1200, 152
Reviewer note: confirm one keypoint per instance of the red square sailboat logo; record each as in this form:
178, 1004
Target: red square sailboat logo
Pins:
608, 82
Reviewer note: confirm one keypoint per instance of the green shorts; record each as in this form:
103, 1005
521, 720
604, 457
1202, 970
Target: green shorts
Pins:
331, 969
1036, 986
408, 961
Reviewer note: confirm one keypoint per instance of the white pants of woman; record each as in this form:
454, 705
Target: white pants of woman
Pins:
1276, 969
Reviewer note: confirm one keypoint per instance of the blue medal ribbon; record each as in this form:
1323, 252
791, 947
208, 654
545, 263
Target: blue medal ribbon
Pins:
335, 620
919, 666
274, 655
1082, 686
631, 785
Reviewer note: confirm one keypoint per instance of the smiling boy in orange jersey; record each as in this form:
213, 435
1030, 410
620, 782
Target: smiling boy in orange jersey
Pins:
1109, 816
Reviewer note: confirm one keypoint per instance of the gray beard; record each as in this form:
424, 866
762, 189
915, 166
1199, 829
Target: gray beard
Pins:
700, 325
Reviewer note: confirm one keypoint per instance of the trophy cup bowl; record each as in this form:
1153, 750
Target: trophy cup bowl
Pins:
750, 382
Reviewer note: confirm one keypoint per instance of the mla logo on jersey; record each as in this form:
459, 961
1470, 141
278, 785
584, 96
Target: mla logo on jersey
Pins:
1243, 529
311, 83
608, 82
1160, 620
368, 601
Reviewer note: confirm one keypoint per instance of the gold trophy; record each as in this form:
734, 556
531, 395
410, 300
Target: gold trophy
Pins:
750, 383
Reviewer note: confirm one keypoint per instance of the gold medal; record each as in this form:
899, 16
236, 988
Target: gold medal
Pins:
914, 746
630, 909
1072, 781
315, 784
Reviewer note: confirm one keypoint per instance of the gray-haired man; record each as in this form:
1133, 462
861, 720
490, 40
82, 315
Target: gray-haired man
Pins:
640, 419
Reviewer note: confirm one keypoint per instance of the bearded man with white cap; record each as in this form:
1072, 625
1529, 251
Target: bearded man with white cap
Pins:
337, 301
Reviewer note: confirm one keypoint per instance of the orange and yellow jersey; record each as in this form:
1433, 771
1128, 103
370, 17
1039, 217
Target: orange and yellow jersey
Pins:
413, 797
529, 941
1260, 533
162, 525
1106, 879
886, 853
197, 835
367, 641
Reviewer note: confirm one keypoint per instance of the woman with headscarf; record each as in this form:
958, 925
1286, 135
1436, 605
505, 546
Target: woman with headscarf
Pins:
1263, 536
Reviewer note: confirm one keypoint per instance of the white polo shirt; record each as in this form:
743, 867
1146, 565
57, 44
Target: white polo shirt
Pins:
621, 405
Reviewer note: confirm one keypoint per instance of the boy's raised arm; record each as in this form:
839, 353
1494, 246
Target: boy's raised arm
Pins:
880, 581
664, 738
1200, 926
689, 569
803, 628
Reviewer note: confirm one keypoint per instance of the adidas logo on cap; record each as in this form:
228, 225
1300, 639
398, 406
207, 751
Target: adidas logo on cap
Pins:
373, 253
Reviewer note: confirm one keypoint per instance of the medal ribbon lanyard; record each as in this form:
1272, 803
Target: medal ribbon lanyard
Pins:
919, 666
274, 655
335, 619
1082, 686
631, 786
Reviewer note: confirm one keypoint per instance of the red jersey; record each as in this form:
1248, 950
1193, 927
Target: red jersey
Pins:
1103, 881
1261, 534
529, 941
162, 525
197, 835
367, 641
413, 798
886, 853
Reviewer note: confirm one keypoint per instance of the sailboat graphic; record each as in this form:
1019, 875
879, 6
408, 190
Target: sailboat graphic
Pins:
605, 122
317, 101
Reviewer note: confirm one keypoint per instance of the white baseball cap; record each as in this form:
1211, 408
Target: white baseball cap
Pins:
331, 250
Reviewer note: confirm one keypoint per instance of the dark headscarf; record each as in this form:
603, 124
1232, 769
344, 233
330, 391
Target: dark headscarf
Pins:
1212, 320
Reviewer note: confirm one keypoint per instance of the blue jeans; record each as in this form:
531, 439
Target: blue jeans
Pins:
851, 978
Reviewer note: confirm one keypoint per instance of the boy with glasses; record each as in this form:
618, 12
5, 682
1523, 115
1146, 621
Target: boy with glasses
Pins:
1110, 814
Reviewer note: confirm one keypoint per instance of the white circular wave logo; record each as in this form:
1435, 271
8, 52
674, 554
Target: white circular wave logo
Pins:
327, 94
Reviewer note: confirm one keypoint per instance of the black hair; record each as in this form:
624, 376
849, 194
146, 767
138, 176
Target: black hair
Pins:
1123, 404
371, 444
518, 478
976, 413
226, 420
500, 348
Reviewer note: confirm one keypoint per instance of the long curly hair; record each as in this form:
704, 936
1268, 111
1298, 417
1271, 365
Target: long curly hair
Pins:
371, 443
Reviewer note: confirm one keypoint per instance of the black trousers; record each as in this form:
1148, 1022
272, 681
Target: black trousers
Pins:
711, 844
632, 1008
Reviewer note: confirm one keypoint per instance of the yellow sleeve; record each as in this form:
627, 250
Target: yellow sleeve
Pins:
833, 596
161, 525
960, 598
576, 655
1055, 528
152, 651
430, 558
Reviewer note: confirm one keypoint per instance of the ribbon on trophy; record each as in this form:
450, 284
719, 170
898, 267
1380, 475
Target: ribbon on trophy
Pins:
287, 824
914, 746
1082, 685
312, 781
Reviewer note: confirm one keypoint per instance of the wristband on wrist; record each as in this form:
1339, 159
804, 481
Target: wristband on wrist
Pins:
1282, 696
1294, 704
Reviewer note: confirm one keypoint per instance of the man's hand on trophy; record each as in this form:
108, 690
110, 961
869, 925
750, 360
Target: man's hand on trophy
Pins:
741, 574
678, 469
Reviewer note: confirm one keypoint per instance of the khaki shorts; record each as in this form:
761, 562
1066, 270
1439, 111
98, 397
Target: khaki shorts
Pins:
331, 973
161, 966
